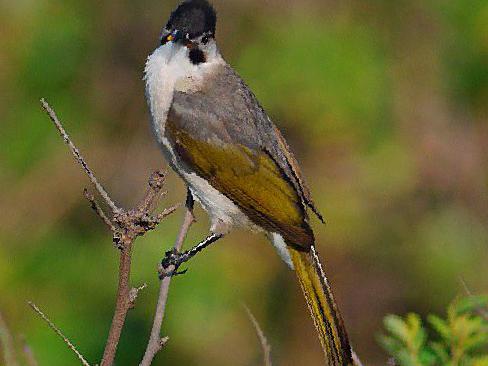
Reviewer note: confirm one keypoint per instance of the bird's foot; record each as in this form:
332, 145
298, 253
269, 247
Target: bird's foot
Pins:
171, 262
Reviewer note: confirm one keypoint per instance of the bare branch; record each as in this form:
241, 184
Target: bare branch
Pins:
480, 310
262, 338
98, 210
130, 225
161, 216
122, 305
79, 158
126, 226
7, 344
156, 182
156, 343
134, 294
51, 325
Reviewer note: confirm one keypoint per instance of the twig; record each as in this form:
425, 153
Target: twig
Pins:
166, 212
98, 210
79, 158
51, 325
262, 338
131, 224
481, 311
122, 305
134, 294
7, 344
126, 226
465, 287
156, 343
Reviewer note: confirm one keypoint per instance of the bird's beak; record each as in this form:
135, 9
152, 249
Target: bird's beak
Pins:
173, 37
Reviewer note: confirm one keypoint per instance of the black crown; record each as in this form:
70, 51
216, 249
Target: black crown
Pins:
193, 17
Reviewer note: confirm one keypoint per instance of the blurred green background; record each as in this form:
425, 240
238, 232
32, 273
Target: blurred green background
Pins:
384, 102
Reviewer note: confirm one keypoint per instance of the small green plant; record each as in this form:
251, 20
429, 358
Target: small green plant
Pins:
459, 340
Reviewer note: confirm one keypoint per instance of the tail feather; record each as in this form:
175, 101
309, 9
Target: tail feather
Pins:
325, 313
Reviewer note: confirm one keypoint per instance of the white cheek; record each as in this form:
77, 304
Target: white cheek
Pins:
168, 69
159, 82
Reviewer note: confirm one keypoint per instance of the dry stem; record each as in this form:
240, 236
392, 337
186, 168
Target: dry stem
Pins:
262, 338
156, 343
126, 226
70, 345
481, 311
122, 305
76, 153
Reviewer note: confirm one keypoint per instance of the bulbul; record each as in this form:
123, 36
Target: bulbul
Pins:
235, 162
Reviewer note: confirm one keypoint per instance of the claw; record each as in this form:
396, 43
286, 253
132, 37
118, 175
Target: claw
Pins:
163, 274
176, 259
171, 258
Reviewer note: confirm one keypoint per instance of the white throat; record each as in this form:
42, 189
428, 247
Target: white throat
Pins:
169, 69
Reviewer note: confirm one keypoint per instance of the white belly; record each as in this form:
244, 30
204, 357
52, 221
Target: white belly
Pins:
224, 214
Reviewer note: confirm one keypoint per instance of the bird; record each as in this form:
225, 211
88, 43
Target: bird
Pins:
235, 162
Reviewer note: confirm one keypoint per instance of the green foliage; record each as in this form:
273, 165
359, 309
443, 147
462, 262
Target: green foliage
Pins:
384, 103
460, 339
318, 64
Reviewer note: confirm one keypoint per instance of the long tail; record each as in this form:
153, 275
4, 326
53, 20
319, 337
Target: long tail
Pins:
325, 313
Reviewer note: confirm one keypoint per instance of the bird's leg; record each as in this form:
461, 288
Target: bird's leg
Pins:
190, 201
176, 259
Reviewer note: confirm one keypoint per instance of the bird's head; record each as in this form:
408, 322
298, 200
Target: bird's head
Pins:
192, 26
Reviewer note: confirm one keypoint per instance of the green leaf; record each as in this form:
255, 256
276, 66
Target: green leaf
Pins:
390, 344
460, 340
441, 352
396, 326
440, 326
407, 340
471, 304
477, 341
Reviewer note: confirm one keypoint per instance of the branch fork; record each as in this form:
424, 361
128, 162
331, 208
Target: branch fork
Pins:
126, 226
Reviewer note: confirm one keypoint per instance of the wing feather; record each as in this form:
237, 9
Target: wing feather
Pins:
223, 135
